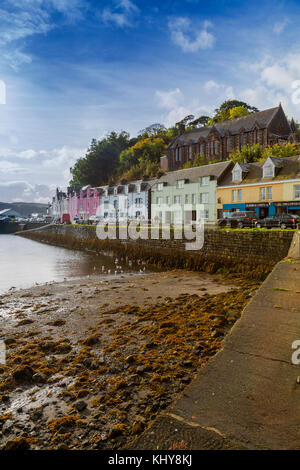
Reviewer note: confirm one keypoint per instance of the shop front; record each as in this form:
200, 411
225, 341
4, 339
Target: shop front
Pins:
287, 207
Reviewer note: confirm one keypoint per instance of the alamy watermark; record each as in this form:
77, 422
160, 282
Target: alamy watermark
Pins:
296, 354
169, 222
2, 352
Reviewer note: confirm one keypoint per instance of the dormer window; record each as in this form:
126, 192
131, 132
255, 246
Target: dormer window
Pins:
180, 184
268, 171
160, 186
237, 175
205, 180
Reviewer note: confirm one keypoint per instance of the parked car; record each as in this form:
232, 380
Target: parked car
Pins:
280, 220
77, 220
239, 219
95, 219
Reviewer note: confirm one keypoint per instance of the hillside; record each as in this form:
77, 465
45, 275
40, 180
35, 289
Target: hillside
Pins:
25, 208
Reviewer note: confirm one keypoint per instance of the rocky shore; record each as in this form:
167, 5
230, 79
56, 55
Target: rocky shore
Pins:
91, 362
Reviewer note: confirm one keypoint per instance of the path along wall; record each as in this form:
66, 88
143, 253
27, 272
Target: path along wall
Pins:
252, 254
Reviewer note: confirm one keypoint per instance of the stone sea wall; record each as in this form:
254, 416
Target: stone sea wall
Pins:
250, 254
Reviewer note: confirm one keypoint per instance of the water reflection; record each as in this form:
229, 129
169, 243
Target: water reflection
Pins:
23, 263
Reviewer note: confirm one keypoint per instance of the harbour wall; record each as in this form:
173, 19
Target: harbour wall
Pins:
252, 254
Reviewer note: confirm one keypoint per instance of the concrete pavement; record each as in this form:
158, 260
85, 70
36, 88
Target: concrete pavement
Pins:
247, 396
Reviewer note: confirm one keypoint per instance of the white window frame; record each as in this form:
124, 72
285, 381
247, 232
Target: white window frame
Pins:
205, 180
297, 191
269, 193
204, 198
262, 194
267, 174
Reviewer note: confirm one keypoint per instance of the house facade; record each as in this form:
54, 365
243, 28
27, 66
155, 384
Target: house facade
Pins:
270, 187
176, 196
59, 205
130, 200
214, 143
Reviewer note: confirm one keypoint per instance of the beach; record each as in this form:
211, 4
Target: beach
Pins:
91, 362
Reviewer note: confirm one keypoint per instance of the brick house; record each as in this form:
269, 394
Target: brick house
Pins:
215, 142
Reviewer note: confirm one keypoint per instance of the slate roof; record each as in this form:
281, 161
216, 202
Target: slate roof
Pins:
193, 174
234, 126
290, 170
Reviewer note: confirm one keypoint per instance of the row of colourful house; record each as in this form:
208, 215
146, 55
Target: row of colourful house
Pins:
209, 191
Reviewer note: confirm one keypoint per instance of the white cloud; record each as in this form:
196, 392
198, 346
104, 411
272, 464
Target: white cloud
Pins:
122, 15
169, 99
273, 83
211, 85
219, 91
15, 191
280, 26
31, 17
9, 168
173, 101
189, 38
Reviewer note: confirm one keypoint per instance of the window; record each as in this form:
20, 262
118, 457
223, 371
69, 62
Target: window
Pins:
180, 184
228, 144
95, 205
193, 198
191, 152
216, 147
262, 195
297, 191
204, 198
160, 186
177, 154
211, 148
204, 214
159, 200
268, 171
237, 175
168, 199
241, 140
205, 180
177, 199
201, 149
186, 199
178, 216
234, 195
269, 193
240, 195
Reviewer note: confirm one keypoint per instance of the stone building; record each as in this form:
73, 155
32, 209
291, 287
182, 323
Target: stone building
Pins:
214, 143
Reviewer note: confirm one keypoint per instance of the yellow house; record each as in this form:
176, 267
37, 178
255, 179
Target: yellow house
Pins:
268, 187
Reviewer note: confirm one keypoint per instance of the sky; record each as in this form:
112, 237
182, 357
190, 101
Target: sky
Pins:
74, 70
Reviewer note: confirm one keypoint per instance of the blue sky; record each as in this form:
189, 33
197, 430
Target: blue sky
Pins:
77, 69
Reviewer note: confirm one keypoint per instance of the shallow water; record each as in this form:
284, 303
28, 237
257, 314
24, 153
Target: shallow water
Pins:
24, 263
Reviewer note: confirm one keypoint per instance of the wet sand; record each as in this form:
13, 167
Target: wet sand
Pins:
91, 362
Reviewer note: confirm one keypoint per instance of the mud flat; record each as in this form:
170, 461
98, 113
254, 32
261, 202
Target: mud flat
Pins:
91, 362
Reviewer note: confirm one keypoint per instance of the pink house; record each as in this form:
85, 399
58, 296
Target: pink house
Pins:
84, 203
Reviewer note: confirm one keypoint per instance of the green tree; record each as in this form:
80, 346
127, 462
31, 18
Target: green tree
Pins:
141, 154
101, 160
238, 111
247, 154
223, 112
